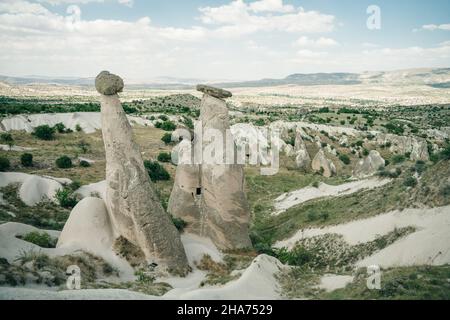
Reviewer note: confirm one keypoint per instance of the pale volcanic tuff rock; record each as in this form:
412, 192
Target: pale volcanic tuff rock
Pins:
402, 144
322, 163
134, 209
214, 201
369, 165
302, 158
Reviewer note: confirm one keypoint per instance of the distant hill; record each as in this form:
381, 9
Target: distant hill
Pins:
437, 78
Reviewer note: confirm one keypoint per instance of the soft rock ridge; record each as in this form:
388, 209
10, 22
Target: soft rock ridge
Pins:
210, 196
369, 166
320, 163
302, 158
135, 210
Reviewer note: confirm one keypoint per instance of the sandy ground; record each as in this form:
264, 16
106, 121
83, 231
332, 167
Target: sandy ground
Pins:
428, 245
5, 147
294, 198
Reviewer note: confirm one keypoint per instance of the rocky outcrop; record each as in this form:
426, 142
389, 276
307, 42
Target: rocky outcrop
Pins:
213, 201
134, 208
323, 165
369, 165
417, 147
302, 158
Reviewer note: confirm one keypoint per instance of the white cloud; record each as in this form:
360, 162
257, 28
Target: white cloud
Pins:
315, 43
432, 27
270, 6
18, 6
239, 18
128, 3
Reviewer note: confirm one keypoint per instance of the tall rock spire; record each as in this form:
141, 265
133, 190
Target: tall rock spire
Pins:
134, 208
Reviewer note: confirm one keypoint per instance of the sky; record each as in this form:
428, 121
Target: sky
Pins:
143, 40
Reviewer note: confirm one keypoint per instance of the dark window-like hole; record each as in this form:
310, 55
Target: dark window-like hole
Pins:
199, 191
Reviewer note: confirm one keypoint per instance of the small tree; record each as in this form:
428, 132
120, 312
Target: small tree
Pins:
26, 159
64, 162
345, 159
44, 132
65, 198
84, 146
7, 139
167, 138
60, 127
164, 157
4, 164
168, 126
78, 128
156, 171
84, 164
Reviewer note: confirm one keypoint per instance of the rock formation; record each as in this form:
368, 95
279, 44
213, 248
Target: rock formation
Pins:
321, 164
134, 208
417, 147
369, 165
302, 158
210, 196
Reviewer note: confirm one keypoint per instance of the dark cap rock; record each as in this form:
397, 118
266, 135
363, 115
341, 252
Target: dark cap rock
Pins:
215, 92
108, 84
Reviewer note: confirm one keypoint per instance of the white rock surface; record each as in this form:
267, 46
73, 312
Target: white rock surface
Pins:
89, 121
369, 166
331, 282
33, 189
294, 198
429, 245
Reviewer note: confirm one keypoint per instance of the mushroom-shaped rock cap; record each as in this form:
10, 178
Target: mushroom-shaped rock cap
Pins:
108, 84
215, 92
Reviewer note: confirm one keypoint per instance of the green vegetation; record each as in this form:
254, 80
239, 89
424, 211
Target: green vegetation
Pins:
345, 159
44, 132
179, 223
167, 138
168, 126
26, 159
164, 157
156, 171
64, 162
4, 164
6, 138
66, 198
84, 164
42, 239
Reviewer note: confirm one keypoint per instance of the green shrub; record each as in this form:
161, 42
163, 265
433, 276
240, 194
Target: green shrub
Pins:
168, 126
4, 164
84, 164
60, 127
345, 159
445, 154
167, 138
298, 256
410, 181
83, 145
311, 216
164, 157
64, 162
365, 152
156, 171
44, 132
7, 139
158, 124
43, 239
26, 159
163, 117
65, 198
78, 128
398, 158
179, 223
260, 122
188, 122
